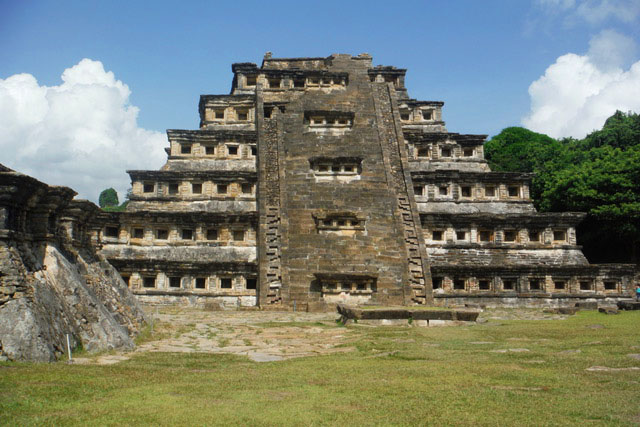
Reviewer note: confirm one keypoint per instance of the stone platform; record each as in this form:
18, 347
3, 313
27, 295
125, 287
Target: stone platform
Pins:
397, 315
629, 305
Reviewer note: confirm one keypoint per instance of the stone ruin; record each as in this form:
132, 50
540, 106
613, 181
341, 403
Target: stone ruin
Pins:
319, 181
52, 280
316, 182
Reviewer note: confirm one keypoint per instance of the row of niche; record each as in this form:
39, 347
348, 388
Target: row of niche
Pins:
340, 225
230, 114
336, 166
234, 115
171, 281
246, 114
535, 283
324, 121
311, 82
242, 235
348, 286
478, 191
395, 79
546, 236
194, 188
224, 150
418, 115
239, 151
446, 151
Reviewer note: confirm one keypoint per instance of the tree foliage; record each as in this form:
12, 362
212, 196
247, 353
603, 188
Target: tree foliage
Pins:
108, 200
599, 174
518, 149
108, 197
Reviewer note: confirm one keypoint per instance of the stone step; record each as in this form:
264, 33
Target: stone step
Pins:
629, 305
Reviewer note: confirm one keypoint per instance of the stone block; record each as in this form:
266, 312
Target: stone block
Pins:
432, 315
629, 305
587, 305
466, 316
387, 314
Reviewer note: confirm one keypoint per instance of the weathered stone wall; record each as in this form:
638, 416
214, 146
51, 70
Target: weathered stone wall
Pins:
52, 282
520, 301
349, 191
337, 123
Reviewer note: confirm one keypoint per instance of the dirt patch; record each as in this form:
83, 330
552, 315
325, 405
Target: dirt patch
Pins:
607, 369
261, 336
511, 350
513, 388
101, 360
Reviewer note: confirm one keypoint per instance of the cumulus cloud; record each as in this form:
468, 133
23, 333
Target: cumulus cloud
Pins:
82, 133
594, 11
578, 93
610, 50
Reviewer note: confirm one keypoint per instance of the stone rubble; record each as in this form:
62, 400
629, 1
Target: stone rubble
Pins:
52, 281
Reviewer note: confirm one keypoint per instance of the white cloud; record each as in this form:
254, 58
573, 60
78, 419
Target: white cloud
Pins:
557, 4
82, 133
597, 11
579, 92
610, 49
593, 11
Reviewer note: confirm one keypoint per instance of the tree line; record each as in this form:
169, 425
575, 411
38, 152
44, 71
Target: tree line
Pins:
599, 175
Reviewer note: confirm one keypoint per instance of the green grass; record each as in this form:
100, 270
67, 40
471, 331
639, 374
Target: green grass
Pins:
396, 375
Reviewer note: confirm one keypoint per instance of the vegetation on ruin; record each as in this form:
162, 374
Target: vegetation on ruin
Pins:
599, 174
117, 208
507, 372
108, 197
108, 201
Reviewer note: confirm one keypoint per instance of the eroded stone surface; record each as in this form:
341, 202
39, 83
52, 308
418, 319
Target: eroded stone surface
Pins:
52, 281
348, 191
260, 336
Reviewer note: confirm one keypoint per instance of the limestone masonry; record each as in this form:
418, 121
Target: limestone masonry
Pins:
319, 181
52, 281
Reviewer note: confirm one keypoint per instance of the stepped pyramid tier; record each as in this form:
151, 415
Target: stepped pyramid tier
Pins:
318, 181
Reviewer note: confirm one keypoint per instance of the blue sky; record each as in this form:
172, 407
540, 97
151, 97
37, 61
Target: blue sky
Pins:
479, 57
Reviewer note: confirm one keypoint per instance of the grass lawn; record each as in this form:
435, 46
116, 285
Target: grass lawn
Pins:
396, 375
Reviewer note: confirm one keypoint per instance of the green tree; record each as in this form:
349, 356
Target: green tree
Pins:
599, 175
517, 149
108, 197
115, 207
622, 130
606, 185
